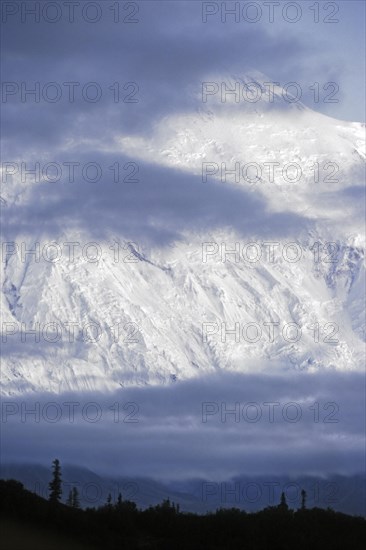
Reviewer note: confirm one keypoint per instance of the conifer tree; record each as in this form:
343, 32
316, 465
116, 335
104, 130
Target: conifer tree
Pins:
283, 503
119, 500
69, 499
303, 499
75, 498
55, 485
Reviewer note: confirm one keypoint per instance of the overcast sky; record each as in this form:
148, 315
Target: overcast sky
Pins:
293, 425
170, 45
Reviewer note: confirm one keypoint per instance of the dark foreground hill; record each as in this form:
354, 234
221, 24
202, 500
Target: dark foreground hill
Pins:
29, 522
345, 494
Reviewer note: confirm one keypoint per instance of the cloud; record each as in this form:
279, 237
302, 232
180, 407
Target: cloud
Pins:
168, 49
313, 427
155, 210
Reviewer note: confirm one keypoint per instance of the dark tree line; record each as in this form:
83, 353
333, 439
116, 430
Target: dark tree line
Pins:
121, 525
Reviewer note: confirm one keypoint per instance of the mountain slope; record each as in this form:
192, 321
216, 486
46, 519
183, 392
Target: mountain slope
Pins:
291, 295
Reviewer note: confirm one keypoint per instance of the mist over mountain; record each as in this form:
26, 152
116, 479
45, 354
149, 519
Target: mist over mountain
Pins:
345, 494
238, 242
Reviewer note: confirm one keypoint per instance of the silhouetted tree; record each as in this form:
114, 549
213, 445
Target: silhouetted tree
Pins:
75, 498
55, 485
303, 499
283, 504
69, 499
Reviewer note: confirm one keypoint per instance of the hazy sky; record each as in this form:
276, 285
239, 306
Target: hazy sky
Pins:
170, 46
305, 424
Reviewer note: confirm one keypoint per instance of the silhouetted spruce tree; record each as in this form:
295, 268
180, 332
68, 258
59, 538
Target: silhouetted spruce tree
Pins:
283, 504
55, 485
69, 499
75, 498
303, 499
109, 501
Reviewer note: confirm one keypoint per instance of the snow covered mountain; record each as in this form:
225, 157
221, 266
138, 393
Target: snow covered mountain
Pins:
276, 182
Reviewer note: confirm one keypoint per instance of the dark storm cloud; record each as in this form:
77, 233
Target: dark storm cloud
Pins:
156, 210
166, 424
166, 51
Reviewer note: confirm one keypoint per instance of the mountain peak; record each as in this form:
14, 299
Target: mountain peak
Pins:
250, 90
